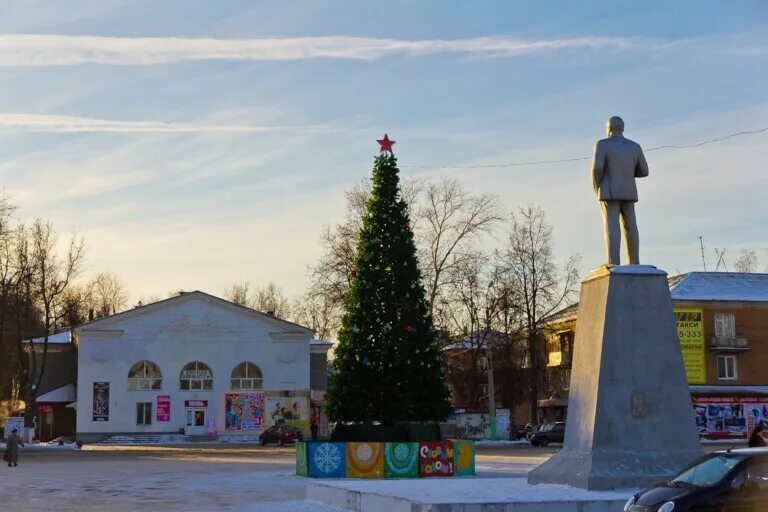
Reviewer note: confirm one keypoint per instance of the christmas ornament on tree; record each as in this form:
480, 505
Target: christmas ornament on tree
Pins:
387, 319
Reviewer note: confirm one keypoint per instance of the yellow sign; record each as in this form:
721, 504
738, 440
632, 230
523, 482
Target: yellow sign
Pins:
690, 331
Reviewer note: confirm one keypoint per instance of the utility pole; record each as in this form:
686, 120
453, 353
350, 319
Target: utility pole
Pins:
489, 357
491, 388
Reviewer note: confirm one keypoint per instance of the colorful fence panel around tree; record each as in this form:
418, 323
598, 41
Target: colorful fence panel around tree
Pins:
326, 460
323, 459
401, 460
463, 457
365, 460
435, 458
301, 458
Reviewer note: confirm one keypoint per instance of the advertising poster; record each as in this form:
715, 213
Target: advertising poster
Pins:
101, 401
163, 407
243, 411
287, 410
690, 331
729, 416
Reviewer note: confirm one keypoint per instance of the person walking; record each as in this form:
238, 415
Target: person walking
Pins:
756, 439
12, 448
313, 428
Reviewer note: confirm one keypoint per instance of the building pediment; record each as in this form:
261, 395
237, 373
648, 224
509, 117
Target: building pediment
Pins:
211, 315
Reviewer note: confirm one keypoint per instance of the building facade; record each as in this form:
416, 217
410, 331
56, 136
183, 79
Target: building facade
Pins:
722, 321
195, 364
55, 402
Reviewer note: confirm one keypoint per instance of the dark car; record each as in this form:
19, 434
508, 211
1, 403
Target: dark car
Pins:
549, 433
723, 481
522, 432
281, 434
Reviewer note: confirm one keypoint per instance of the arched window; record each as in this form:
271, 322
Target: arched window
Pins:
246, 376
144, 375
195, 376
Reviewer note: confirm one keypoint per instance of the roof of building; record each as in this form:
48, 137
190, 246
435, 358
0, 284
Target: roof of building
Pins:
720, 286
64, 394
59, 338
700, 286
187, 296
477, 341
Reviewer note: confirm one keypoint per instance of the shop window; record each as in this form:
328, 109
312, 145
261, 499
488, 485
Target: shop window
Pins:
725, 325
726, 368
246, 376
144, 375
144, 413
196, 376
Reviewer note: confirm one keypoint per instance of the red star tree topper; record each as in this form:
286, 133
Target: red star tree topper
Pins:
386, 144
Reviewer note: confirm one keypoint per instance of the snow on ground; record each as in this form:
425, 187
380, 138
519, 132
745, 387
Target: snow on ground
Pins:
44, 446
480, 489
290, 506
501, 442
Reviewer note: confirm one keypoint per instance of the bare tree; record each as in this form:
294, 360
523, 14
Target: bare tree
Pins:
747, 261
239, 294
472, 308
107, 294
8, 281
530, 274
317, 312
451, 223
270, 299
73, 306
50, 275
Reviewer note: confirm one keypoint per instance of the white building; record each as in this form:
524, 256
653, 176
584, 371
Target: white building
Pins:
194, 364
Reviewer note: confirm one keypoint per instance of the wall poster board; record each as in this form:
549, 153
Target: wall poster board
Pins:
243, 411
101, 401
163, 407
287, 410
729, 416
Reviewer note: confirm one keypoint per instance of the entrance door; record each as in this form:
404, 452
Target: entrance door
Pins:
195, 422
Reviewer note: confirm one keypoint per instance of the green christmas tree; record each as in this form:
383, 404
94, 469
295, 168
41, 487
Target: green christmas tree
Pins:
387, 361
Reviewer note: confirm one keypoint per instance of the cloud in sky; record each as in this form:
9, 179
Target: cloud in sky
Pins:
73, 124
35, 50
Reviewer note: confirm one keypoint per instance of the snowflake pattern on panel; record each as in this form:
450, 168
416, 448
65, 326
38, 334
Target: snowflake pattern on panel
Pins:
402, 453
327, 458
364, 452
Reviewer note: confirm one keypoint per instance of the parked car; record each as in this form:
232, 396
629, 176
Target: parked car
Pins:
727, 481
281, 434
549, 433
522, 432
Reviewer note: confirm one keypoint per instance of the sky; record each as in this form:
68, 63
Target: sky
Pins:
197, 144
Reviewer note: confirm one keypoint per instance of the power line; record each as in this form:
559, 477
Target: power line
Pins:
576, 159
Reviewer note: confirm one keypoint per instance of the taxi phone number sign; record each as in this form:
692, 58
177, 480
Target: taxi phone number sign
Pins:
690, 331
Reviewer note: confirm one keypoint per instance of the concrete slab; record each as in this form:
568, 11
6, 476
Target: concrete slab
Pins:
462, 495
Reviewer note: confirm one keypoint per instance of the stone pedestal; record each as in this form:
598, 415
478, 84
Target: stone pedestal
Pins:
630, 419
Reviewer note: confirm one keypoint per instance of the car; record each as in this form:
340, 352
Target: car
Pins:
549, 433
522, 432
723, 481
281, 434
